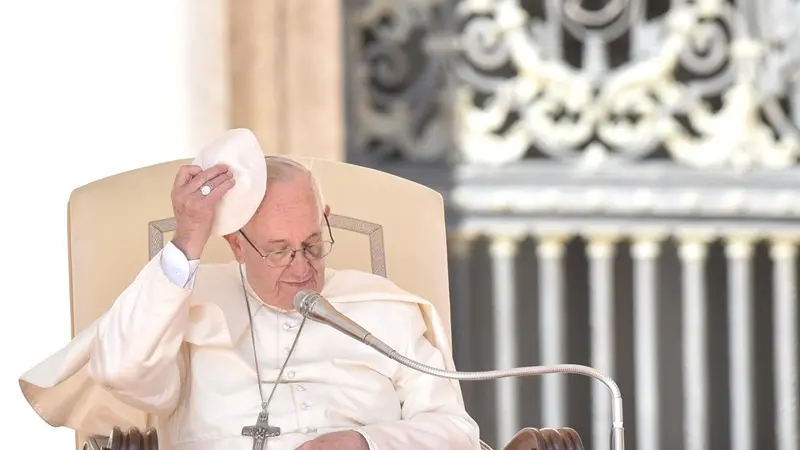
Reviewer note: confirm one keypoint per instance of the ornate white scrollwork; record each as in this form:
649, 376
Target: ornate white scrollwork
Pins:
662, 96
396, 101
705, 83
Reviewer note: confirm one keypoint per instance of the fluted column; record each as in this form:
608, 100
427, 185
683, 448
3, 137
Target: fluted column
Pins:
645, 251
256, 48
286, 61
503, 251
785, 338
601, 250
552, 339
693, 253
739, 252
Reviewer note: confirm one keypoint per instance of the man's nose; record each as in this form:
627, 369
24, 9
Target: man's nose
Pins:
299, 265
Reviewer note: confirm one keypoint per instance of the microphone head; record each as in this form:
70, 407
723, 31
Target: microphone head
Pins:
312, 305
305, 300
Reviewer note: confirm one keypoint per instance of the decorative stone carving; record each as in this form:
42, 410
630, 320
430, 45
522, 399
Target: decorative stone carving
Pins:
704, 83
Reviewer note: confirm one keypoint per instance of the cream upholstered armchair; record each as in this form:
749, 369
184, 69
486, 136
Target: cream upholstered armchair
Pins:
119, 223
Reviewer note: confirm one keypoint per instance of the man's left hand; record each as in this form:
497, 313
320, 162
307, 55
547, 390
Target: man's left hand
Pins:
339, 440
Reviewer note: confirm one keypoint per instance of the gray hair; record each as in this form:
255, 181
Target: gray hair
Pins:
282, 168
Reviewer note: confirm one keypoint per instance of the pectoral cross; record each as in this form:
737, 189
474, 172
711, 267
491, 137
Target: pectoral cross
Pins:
261, 431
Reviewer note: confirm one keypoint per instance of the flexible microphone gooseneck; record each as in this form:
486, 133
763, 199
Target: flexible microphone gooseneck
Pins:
314, 306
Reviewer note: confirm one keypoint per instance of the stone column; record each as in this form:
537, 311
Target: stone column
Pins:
503, 251
286, 75
785, 341
601, 251
552, 327
208, 71
741, 332
254, 40
693, 253
645, 251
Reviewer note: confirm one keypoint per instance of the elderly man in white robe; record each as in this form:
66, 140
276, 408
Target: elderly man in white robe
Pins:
274, 381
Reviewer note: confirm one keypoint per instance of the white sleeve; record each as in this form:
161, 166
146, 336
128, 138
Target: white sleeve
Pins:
137, 350
177, 267
366, 437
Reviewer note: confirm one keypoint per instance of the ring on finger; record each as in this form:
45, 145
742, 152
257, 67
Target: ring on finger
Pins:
205, 190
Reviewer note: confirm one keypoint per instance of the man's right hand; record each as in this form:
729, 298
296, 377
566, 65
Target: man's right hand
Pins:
194, 212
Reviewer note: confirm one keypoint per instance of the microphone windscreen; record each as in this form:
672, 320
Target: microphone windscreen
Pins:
304, 301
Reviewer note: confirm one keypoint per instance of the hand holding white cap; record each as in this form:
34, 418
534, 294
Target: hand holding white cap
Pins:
220, 192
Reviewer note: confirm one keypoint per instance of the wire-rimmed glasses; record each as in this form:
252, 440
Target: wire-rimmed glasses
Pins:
282, 258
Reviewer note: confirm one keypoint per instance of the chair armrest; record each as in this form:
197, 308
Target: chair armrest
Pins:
543, 439
133, 439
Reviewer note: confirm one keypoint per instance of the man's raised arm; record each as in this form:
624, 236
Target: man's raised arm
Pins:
136, 351
138, 341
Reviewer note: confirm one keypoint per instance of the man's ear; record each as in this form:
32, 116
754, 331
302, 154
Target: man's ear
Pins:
236, 246
327, 210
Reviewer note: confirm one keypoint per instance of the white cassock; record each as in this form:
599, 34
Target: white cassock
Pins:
182, 352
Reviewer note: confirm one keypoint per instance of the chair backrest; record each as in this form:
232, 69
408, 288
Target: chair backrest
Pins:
382, 224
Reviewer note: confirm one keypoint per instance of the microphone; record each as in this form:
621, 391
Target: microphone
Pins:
314, 306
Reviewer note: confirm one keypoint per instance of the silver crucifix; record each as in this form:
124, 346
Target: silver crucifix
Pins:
261, 431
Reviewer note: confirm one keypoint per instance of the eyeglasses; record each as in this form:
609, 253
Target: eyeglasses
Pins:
283, 258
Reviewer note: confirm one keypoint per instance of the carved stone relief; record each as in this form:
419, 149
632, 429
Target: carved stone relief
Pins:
704, 84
